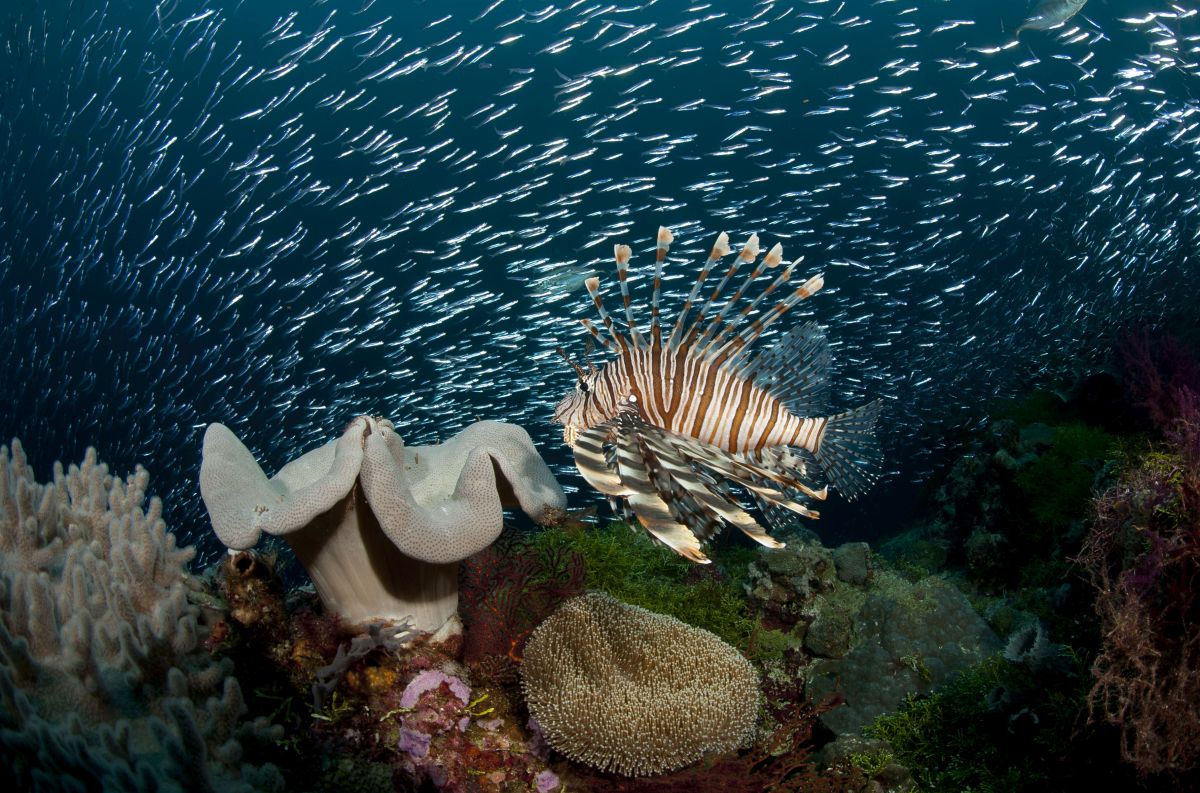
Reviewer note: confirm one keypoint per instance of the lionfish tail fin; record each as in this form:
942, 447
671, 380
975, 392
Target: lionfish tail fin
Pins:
849, 453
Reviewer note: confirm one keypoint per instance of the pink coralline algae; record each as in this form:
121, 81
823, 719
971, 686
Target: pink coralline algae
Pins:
444, 745
546, 781
429, 680
414, 743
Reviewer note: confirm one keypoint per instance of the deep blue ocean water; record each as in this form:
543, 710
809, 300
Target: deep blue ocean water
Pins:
281, 215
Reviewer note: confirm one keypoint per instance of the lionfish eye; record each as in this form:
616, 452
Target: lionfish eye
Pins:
583, 386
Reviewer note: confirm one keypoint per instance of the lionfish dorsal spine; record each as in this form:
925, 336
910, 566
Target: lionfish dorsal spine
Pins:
701, 327
593, 287
605, 343
771, 260
748, 253
739, 342
662, 245
678, 332
621, 254
756, 328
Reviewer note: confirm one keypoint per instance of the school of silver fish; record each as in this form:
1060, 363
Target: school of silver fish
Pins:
279, 215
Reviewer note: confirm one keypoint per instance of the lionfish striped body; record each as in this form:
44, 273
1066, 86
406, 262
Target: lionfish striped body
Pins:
672, 425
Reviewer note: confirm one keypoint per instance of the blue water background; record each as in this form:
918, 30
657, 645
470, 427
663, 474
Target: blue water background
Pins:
165, 260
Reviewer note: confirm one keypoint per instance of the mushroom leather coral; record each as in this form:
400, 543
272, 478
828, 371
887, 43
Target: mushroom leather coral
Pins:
381, 527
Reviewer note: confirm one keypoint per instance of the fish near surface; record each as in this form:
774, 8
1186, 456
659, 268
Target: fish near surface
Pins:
673, 425
1050, 13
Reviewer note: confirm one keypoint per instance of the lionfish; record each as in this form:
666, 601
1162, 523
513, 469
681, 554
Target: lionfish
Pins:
673, 426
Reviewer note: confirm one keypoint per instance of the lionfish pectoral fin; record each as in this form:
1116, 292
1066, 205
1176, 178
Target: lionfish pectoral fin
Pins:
643, 498
655, 516
706, 503
849, 452
593, 464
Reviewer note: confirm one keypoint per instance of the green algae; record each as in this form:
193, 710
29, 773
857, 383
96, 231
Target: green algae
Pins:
624, 562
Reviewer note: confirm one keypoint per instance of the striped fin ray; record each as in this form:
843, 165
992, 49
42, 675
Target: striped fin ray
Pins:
764, 483
661, 246
651, 510
593, 463
747, 336
771, 261
692, 483
763, 488
593, 287
621, 254
769, 484
719, 249
741, 467
697, 334
733, 346
605, 343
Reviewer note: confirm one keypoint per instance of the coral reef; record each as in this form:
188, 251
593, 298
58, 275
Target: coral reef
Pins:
997, 726
1009, 515
104, 683
904, 639
784, 584
780, 761
385, 700
1142, 556
378, 636
381, 527
865, 632
624, 689
455, 742
626, 563
508, 589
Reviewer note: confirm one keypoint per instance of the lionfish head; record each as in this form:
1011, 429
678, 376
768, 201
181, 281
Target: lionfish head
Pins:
576, 411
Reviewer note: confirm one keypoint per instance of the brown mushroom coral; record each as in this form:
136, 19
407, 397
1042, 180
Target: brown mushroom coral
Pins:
630, 691
381, 527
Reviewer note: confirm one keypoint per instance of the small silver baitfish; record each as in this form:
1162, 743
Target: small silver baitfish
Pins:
671, 425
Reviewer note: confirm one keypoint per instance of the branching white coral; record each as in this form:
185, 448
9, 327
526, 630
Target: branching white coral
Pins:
102, 682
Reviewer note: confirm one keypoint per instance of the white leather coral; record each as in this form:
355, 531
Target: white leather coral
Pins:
380, 526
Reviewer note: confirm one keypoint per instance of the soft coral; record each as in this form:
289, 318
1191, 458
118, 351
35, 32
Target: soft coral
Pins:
1142, 555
